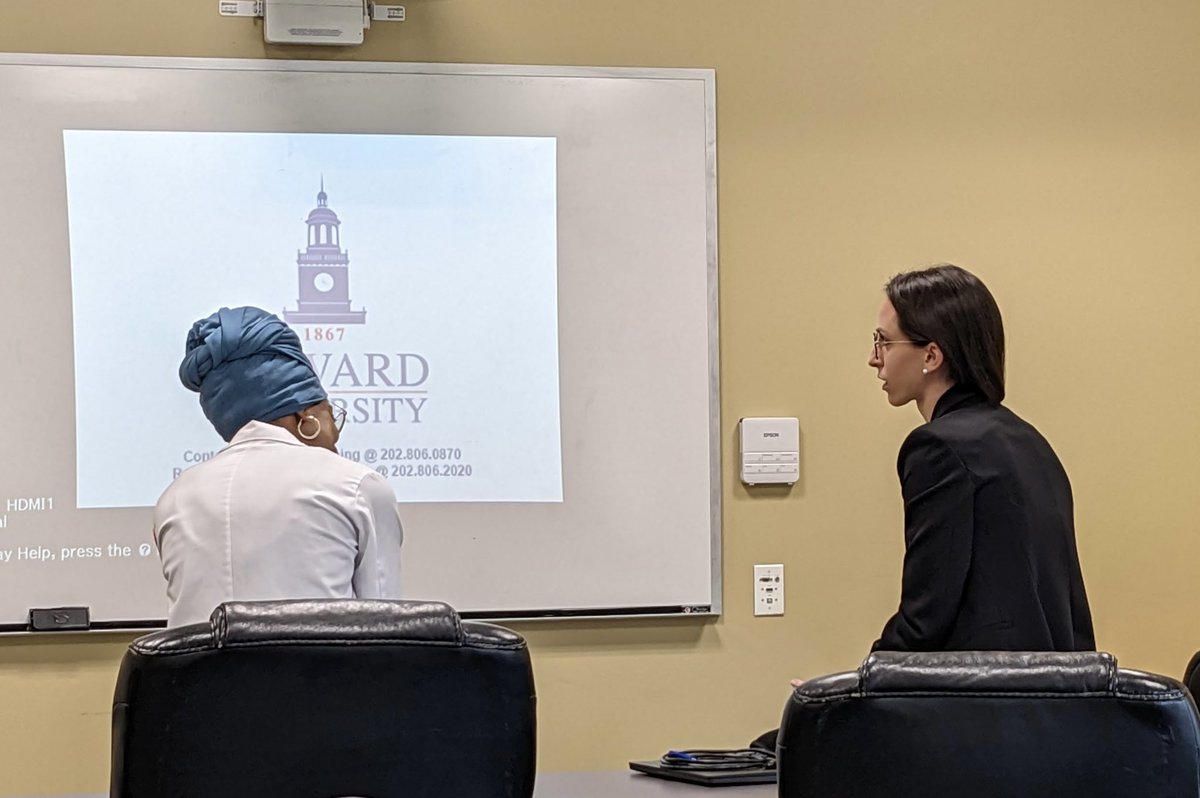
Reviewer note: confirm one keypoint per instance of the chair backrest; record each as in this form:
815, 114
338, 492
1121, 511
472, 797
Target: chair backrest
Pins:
325, 698
1191, 674
985, 724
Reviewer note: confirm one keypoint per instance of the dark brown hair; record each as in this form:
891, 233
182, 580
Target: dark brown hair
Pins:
951, 307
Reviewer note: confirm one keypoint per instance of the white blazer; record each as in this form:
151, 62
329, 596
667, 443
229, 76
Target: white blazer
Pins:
271, 518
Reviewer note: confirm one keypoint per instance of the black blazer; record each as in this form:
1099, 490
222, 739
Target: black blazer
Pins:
989, 537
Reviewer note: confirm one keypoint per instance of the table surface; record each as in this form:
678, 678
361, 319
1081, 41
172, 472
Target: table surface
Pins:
605, 784
626, 784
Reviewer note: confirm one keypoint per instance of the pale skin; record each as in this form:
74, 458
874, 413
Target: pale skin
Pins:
318, 418
910, 372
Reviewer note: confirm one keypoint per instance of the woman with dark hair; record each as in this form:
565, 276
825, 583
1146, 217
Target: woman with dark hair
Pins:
990, 561
278, 513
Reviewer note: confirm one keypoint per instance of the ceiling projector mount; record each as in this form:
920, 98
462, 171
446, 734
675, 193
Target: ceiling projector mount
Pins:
336, 22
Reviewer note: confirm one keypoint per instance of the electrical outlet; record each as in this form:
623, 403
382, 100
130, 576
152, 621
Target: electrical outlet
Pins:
768, 589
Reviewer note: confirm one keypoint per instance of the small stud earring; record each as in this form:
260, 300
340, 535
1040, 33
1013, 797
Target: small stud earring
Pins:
924, 371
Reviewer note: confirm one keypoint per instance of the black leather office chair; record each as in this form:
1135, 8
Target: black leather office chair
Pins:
982, 724
294, 699
1191, 675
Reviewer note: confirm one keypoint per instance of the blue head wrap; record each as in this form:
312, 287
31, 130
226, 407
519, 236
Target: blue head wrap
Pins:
247, 365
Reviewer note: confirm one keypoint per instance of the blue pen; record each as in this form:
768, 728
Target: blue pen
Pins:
684, 755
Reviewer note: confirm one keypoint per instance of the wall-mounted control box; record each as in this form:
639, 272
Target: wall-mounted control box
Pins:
770, 450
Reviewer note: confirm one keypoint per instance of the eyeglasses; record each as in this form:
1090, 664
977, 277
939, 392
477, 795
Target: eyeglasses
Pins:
339, 416
879, 344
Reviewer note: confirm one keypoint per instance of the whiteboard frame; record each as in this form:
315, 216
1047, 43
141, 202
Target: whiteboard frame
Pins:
707, 76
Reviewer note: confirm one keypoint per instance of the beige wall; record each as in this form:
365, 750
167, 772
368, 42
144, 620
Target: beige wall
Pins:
1051, 147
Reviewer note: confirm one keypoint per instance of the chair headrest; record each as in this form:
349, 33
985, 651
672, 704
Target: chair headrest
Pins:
323, 622
342, 620
986, 671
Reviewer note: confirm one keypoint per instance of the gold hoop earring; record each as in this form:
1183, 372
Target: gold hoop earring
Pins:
300, 428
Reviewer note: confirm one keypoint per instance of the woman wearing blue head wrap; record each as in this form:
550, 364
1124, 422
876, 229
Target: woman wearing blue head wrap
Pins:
277, 513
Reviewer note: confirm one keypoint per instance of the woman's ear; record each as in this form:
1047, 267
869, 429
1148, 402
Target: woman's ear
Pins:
934, 358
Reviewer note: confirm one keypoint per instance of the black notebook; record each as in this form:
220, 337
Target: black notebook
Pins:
709, 778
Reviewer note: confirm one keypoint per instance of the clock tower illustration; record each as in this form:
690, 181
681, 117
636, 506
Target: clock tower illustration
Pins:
323, 269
